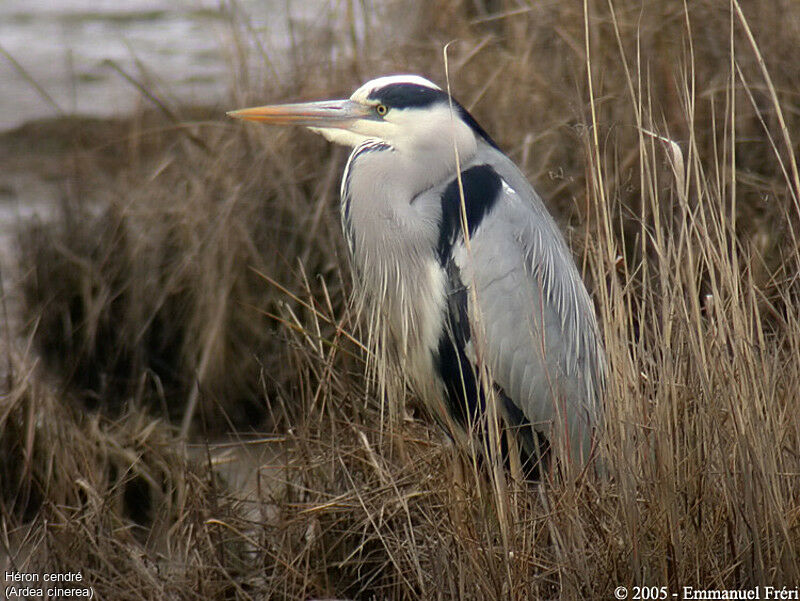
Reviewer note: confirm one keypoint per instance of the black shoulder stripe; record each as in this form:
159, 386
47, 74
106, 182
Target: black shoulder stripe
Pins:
482, 187
464, 398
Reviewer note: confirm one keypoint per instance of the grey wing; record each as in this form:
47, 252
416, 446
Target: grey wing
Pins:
531, 315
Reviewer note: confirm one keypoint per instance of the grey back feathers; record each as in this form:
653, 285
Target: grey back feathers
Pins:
507, 293
466, 283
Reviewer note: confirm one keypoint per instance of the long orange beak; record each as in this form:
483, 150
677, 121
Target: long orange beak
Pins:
326, 113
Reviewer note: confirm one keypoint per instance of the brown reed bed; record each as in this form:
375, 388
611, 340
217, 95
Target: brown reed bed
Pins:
198, 287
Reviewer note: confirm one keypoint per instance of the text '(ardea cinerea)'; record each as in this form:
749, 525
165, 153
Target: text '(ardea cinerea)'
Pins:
464, 273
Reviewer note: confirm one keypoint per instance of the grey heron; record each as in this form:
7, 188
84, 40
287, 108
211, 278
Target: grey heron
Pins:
464, 269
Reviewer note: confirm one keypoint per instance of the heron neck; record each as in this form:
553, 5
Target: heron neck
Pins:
392, 230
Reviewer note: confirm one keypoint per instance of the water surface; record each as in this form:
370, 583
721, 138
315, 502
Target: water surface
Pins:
65, 56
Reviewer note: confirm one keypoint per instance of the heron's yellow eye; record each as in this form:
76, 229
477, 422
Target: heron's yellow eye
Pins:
381, 109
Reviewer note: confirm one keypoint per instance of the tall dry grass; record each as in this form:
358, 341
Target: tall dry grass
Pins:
664, 136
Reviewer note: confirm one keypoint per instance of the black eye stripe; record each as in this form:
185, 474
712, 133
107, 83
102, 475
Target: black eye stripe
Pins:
407, 95
412, 95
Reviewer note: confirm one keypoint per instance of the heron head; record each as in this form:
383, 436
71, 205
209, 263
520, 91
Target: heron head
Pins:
407, 112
